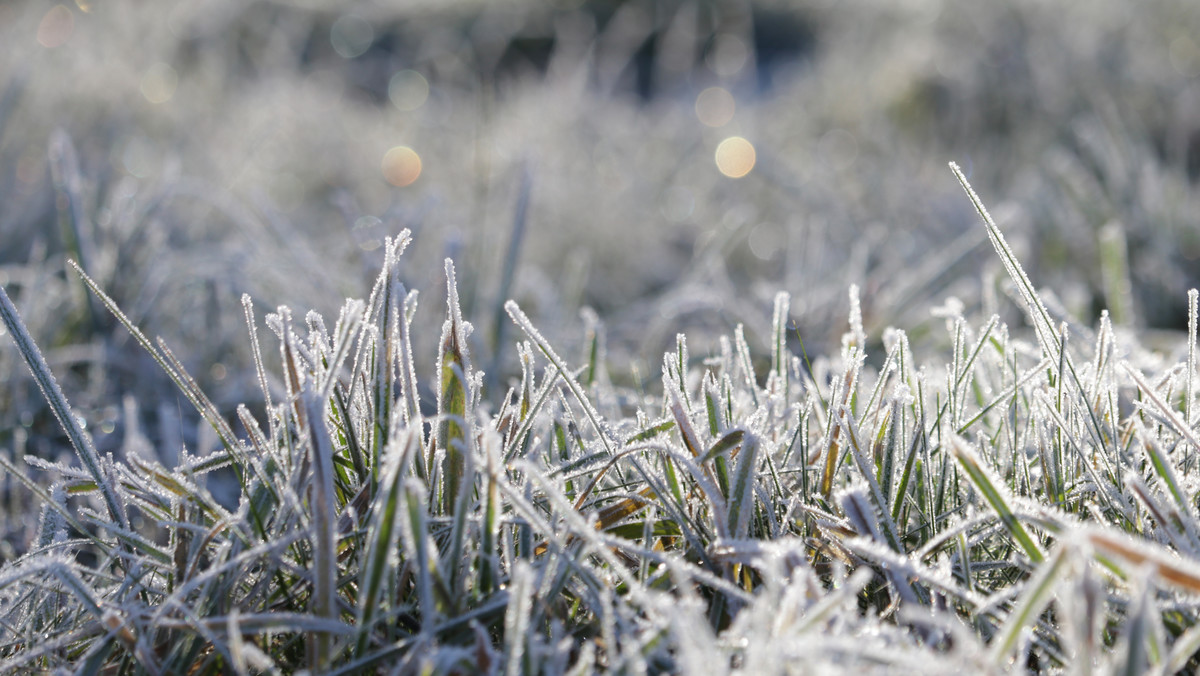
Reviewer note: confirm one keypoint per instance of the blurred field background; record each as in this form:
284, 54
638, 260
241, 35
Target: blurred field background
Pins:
563, 154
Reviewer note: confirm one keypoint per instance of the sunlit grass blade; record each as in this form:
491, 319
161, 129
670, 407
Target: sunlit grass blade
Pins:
730, 440
996, 496
454, 565
1039, 316
843, 393
624, 508
1037, 595
454, 369
1168, 566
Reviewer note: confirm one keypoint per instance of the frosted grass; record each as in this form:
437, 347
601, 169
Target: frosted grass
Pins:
986, 507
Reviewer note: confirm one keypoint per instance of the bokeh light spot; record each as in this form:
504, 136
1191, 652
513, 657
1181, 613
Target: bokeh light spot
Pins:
765, 241
408, 90
401, 166
728, 55
56, 27
735, 157
715, 106
351, 36
159, 83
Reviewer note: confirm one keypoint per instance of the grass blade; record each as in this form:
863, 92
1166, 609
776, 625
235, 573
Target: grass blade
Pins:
521, 320
1033, 601
1043, 326
454, 369
80, 441
995, 496
324, 544
382, 534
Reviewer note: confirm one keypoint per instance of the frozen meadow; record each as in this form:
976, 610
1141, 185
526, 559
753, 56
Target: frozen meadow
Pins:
629, 336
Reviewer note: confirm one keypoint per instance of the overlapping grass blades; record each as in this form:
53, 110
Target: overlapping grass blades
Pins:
1003, 509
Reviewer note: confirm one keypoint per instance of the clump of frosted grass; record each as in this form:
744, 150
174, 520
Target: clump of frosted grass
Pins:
1012, 506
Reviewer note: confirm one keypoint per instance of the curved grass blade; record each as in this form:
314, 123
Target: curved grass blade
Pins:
80, 441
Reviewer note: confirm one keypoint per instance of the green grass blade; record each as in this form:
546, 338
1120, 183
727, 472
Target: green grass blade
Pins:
741, 499
382, 534
995, 496
1037, 595
493, 449
417, 549
454, 369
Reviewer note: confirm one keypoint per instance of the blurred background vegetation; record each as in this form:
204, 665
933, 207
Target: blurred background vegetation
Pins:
564, 154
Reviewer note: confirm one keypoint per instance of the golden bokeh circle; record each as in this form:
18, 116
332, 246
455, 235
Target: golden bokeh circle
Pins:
735, 157
401, 166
